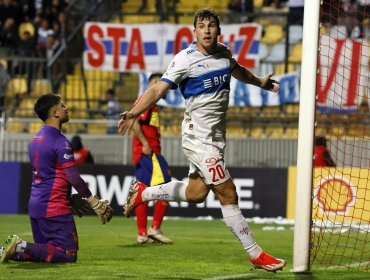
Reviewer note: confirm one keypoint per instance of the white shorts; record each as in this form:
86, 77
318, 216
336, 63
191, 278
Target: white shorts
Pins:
206, 158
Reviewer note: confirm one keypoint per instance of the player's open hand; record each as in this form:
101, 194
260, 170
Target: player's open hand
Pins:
125, 123
101, 208
269, 84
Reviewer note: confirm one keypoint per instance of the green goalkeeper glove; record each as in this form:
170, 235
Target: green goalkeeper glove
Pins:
101, 208
79, 205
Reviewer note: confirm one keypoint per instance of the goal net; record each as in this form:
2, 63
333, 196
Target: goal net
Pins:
340, 230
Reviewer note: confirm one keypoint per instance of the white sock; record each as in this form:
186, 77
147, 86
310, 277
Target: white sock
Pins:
21, 247
1, 250
235, 221
171, 191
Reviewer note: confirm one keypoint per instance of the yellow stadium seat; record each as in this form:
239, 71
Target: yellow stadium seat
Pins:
257, 132
98, 128
186, 19
71, 128
138, 19
25, 108
274, 132
235, 130
17, 85
292, 108
291, 132
4, 63
188, 6
257, 3
26, 27
15, 126
131, 6
296, 54
218, 5
263, 21
41, 86
273, 34
77, 109
34, 127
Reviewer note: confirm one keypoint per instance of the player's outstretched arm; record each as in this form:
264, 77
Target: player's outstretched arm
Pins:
101, 208
244, 75
150, 97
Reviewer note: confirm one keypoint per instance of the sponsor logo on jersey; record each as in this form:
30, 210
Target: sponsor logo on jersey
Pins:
202, 65
212, 161
66, 156
217, 80
38, 139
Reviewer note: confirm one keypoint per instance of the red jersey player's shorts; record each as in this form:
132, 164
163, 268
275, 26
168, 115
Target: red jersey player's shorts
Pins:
152, 171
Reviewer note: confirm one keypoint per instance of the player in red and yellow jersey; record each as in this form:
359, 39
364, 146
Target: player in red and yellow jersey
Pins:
151, 168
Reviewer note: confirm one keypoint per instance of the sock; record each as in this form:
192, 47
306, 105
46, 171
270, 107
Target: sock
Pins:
21, 257
160, 208
142, 218
21, 247
48, 253
235, 221
171, 191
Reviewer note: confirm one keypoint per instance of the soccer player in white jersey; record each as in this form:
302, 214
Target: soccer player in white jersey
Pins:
203, 72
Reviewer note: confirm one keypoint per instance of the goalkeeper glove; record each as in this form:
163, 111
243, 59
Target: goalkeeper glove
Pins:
79, 205
101, 208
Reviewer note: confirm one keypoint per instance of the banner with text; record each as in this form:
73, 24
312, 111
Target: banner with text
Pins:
343, 80
262, 192
240, 94
151, 47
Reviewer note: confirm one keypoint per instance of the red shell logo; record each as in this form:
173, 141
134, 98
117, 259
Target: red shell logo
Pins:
335, 194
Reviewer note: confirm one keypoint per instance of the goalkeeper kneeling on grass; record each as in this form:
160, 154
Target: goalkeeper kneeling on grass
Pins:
54, 172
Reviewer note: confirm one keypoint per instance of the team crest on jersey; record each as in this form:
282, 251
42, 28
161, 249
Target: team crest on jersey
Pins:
172, 64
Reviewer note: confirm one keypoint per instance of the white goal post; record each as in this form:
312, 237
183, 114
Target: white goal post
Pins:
305, 136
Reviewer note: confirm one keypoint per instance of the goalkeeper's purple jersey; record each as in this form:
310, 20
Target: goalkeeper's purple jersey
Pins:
50, 153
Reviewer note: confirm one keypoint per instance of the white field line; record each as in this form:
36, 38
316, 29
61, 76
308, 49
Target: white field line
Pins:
346, 266
235, 276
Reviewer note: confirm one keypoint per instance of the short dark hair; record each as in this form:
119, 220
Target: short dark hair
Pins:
320, 141
111, 91
206, 13
44, 103
155, 75
76, 143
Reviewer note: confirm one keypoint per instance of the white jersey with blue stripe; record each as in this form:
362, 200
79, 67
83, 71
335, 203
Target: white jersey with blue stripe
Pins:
204, 81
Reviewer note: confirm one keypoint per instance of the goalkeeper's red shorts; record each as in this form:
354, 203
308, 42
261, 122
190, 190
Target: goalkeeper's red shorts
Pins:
58, 231
152, 171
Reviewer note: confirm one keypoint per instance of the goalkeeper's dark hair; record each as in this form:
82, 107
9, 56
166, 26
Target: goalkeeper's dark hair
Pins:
44, 103
206, 13
155, 75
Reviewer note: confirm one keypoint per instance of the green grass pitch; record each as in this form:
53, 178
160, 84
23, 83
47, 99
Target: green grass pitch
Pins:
201, 250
